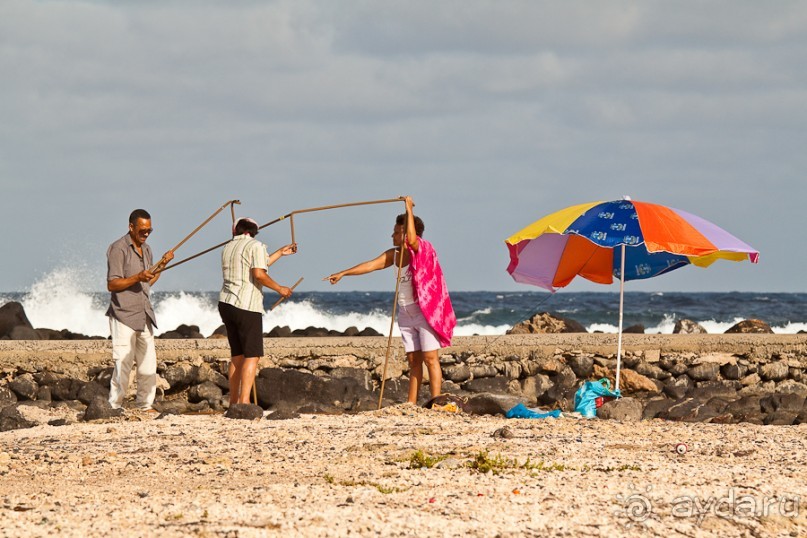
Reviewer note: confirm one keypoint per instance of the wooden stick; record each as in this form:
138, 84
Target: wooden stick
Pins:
286, 216
281, 299
160, 266
391, 323
291, 221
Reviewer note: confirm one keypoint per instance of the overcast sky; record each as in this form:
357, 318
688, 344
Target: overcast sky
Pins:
490, 114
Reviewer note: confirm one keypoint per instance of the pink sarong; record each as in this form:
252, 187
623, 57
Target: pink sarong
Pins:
431, 291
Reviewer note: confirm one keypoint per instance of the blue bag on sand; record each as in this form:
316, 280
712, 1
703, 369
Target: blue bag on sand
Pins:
585, 399
520, 411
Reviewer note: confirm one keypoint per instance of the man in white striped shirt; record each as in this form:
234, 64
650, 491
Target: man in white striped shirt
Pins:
243, 265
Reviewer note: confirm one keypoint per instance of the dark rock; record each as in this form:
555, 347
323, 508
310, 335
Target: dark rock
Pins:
66, 389
205, 373
58, 422
458, 373
655, 407
678, 388
221, 331
283, 414
12, 315
360, 375
774, 371
634, 329
497, 385
630, 360
622, 409
11, 419
279, 332
503, 433
48, 334
44, 394
202, 407
750, 326
99, 409
24, 387
207, 391
351, 331
714, 389
64, 334
369, 331
183, 331
290, 388
781, 417
491, 404
534, 387
677, 369
172, 407
746, 409
244, 412
608, 364
91, 391
687, 326
581, 365
684, 409
733, 371
546, 323
562, 390
652, 371
483, 370
179, 376
396, 390
20, 332
310, 332
704, 372
789, 385
784, 402
7, 397
75, 405
46, 377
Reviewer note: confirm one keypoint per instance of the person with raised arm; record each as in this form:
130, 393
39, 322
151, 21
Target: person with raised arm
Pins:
426, 317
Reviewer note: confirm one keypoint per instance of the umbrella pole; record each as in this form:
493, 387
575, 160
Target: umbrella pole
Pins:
621, 303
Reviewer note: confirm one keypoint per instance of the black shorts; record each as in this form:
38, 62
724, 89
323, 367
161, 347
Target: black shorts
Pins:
244, 330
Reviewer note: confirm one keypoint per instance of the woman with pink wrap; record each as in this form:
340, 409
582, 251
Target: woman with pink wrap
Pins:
426, 317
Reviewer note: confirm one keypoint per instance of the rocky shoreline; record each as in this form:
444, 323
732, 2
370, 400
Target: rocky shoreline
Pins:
754, 378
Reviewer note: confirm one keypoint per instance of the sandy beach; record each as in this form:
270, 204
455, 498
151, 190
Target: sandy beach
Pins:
326, 475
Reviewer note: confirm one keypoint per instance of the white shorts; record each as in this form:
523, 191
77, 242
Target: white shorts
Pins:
416, 333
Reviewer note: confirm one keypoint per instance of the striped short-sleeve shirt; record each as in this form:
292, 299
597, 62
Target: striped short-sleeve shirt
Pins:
240, 256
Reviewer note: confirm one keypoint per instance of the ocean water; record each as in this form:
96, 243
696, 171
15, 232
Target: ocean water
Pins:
59, 302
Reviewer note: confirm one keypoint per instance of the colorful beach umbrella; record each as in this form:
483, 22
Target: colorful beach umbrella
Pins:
626, 239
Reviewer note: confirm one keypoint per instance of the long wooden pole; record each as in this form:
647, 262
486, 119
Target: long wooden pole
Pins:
160, 266
282, 298
275, 221
392, 322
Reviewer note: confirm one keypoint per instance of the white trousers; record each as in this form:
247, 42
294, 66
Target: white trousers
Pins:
130, 347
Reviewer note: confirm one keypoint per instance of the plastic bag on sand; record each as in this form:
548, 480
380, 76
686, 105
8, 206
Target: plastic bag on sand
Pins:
591, 395
521, 411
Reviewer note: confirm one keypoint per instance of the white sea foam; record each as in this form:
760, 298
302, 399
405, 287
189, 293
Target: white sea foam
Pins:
58, 301
62, 300
176, 309
303, 314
